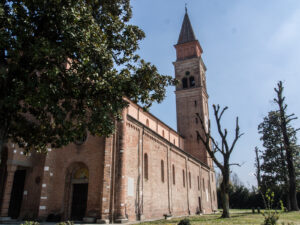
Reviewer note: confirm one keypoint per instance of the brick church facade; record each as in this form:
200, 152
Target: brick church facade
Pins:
145, 170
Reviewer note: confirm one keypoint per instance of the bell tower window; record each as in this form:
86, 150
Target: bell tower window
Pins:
184, 83
192, 81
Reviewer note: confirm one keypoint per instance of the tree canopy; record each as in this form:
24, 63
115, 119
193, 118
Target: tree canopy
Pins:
280, 154
65, 68
273, 156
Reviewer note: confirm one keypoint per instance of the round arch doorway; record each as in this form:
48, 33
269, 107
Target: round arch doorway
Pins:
79, 191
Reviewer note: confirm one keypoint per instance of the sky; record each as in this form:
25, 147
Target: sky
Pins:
248, 46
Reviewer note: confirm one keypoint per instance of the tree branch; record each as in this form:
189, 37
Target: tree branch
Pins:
218, 120
237, 164
237, 135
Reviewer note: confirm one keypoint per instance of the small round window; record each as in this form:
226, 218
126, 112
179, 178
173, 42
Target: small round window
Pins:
81, 139
187, 73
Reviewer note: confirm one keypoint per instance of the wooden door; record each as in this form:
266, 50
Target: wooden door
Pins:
79, 201
16, 196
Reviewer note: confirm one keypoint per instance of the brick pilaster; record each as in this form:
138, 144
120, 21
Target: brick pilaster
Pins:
11, 169
169, 180
107, 175
46, 184
120, 173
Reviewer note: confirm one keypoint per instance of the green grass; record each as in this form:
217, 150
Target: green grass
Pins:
241, 217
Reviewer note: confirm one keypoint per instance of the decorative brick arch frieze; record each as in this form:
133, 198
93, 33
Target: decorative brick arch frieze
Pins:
132, 126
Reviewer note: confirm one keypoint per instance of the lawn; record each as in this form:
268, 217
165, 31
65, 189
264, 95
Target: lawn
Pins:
241, 217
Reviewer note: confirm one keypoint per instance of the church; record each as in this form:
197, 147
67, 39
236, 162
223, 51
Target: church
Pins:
145, 170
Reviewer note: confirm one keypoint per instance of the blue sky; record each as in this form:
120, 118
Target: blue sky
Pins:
248, 47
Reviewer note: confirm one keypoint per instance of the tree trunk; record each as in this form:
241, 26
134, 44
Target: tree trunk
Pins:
288, 202
292, 183
2, 144
1, 147
225, 202
258, 169
285, 178
225, 190
288, 149
290, 165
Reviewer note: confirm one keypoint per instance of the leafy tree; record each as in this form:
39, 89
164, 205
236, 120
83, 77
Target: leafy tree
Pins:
285, 121
224, 149
273, 167
65, 68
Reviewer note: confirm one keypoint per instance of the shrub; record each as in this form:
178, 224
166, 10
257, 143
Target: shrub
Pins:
66, 223
30, 223
271, 216
271, 219
184, 222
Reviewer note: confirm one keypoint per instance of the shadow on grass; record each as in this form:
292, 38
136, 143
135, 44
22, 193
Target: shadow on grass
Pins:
204, 218
208, 218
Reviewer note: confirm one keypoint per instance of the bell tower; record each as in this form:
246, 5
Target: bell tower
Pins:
191, 92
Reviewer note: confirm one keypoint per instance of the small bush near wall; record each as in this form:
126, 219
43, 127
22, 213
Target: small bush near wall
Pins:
184, 222
30, 223
37, 223
66, 223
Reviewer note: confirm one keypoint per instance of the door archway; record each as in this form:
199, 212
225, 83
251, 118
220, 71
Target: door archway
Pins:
77, 179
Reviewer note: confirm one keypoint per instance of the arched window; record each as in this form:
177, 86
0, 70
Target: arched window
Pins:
203, 185
147, 122
184, 83
212, 177
174, 141
173, 170
192, 82
163, 133
190, 178
146, 166
81, 139
196, 120
198, 179
183, 178
162, 171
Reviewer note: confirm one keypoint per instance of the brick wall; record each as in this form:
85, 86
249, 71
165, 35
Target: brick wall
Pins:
153, 197
144, 198
56, 186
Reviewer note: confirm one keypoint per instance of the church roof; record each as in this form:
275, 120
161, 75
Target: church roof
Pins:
187, 32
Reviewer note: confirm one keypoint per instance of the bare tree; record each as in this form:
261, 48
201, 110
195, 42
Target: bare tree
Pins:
257, 167
284, 123
224, 149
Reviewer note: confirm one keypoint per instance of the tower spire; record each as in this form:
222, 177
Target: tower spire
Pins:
187, 32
